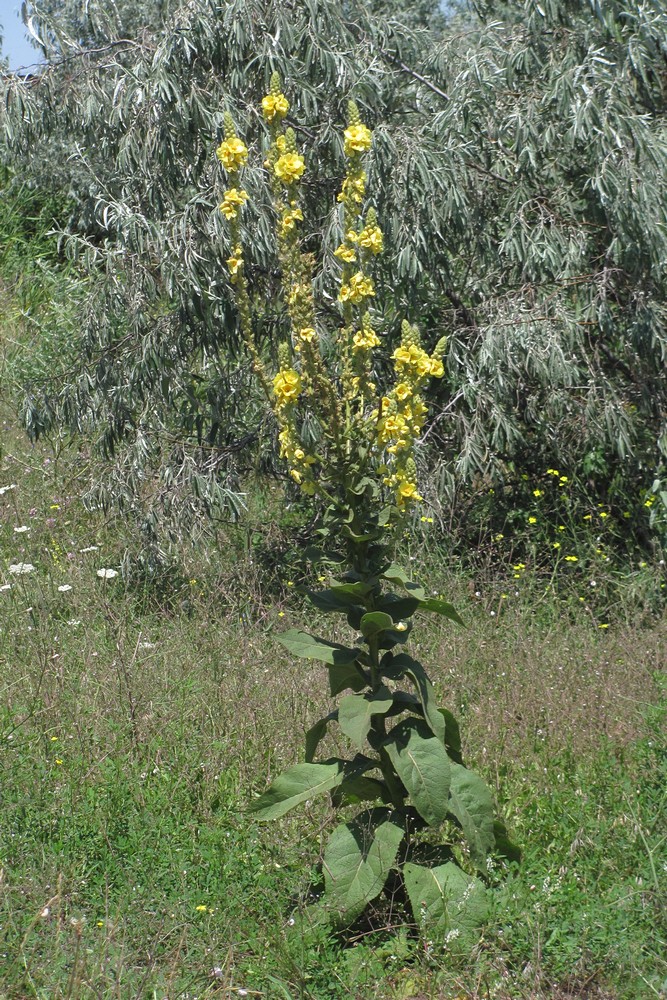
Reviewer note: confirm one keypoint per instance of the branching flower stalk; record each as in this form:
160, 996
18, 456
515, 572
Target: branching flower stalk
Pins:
358, 459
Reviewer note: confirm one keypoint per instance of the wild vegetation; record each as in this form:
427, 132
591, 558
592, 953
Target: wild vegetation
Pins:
162, 525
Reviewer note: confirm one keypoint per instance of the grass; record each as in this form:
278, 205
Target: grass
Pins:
139, 715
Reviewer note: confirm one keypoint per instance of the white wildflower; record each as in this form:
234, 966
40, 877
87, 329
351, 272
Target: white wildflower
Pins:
107, 574
18, 569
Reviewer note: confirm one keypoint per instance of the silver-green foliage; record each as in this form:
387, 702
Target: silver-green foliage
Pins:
520, 165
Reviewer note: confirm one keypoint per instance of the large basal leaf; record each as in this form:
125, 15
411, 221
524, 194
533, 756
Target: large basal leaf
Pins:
355, 712
301, 782
470, 800
446, 903
357, 861
311, 648
422, 764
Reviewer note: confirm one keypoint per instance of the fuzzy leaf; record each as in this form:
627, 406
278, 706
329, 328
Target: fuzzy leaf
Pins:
343, 676
423, 766
301, 782
375, 622
311, 648
471, 802
357, 861
441, 608
446, 903
355, 712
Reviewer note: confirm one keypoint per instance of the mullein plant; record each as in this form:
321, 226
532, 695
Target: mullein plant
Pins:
425, 824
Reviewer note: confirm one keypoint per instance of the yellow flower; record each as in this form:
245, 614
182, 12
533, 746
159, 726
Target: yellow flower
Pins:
357, 139
290, 217
353, 188
359, 288
200, 909
571, 558
274, 106
537, 493
407, 491
371, 239
235, 262
345, 253
402, 391
436, 368
532, 520
286, 386
289, 167
307, 333
232, 201
364, 340
232, 153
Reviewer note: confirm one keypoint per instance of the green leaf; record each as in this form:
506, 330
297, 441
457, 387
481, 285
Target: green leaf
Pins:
317, 733
311, 648
441, 608
346, 675
355, 712
403, 665
328, 600
447, 903
452, 735
398, 607
471, 802
301, 782
357, 861
361, 789
375, 622
395, 574
422, 764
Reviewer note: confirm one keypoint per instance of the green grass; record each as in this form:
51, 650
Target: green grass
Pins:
141, 714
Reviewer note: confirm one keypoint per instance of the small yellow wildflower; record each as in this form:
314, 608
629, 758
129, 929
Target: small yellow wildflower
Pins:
556, 545
571, 558
235, 262
371, 238
286, 386
200, 909
603, 514
357, 139
605, 625
406, 492
358, 288
307, 333
537, 493
232, 153
290, 217
364, 340
274, 106
58, 760
436, 368
289, 167
345, 253
532, 520
553, 472
233, 200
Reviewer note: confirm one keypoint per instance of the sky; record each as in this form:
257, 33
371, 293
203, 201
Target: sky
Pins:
15, 45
